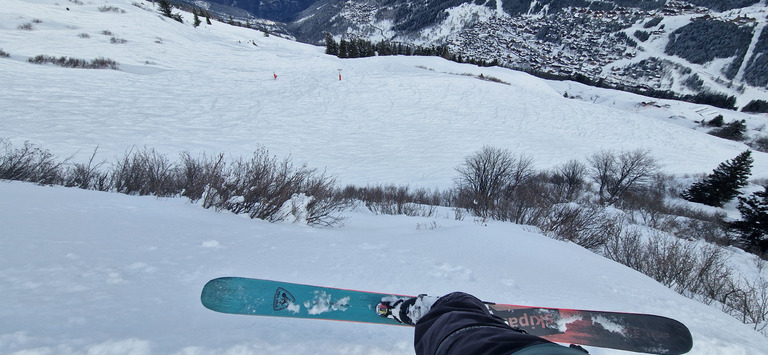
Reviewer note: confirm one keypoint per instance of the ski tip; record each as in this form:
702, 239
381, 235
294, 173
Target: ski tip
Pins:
211, 293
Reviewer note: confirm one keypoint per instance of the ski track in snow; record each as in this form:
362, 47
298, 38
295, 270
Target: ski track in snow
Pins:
758, 30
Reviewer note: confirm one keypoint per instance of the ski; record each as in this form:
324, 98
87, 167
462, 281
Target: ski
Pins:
642, 333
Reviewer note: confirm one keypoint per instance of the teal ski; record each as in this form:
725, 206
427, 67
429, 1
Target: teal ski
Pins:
237, 295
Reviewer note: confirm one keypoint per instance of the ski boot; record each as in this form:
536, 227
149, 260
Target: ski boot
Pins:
405, 310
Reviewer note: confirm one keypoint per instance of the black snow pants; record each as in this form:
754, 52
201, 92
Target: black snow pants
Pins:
459, 323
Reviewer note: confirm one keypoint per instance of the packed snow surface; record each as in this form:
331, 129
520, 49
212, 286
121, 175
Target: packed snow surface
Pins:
87, 272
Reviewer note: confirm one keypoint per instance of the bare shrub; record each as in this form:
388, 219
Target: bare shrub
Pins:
202, 178
696, 271
748, 302
486, 175
29, 163
67, 62
4, 54
103, 63
527, 202
145, 172
25, 26
325, 202
759, 143
616, 174
261, 185
568, 181
395, 200
106, 8
588, 226
87, 176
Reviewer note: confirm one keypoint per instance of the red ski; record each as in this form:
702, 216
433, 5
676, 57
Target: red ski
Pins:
644, 333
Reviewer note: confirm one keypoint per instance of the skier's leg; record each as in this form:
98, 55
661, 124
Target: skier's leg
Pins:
459, 323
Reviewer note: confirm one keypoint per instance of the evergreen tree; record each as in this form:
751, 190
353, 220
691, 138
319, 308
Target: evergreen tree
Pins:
734, 131
197, 21
352, 49
165, 8
724, 183
753, 226
331, 47
343, 49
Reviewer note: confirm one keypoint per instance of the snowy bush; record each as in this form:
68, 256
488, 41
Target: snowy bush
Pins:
674, 244
526, 202
324, 203
87, 176
395, 200
263, 187
699, 271
67, 62
568, 181
486, 176
683, 266
588, 226
107, 8
202, 178
28, 163
116, 40
615, 174
145, 172
263, 184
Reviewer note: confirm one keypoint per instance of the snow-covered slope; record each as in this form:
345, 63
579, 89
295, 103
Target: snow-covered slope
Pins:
88, 272
85, 272
212, 89
623, 47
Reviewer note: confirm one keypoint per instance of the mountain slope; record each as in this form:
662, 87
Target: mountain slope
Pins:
212, 89
92, 272
114, 274
607, 42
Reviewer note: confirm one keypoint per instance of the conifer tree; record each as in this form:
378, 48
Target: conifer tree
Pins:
197, 21
331, 47
353, 51
165, 8
724, 183
753, 226
343, 49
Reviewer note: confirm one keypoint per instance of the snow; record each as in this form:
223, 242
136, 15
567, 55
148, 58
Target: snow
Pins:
86, 272
95, 272
189, 98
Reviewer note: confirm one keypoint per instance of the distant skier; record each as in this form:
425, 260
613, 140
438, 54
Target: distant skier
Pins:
459, 323
275, 75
